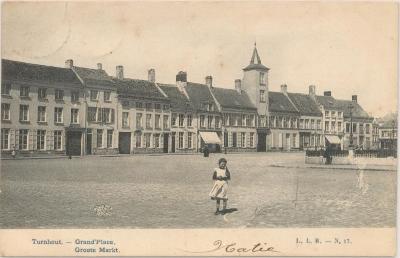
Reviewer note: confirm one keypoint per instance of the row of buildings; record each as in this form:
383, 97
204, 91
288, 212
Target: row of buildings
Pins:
81, 111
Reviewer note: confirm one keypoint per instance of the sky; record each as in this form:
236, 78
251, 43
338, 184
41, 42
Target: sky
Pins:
347, 48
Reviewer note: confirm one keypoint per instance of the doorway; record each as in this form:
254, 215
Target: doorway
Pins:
262, 142
124, 143
165, 149
74, 143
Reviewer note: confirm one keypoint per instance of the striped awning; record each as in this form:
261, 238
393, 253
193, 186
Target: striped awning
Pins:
210, 137
333, 139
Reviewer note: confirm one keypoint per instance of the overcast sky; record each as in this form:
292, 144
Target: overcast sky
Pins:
347, 48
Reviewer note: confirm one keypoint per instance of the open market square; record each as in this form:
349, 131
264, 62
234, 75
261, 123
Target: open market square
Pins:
266, 190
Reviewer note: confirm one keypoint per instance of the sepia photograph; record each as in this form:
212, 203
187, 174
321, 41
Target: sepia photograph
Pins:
200, 126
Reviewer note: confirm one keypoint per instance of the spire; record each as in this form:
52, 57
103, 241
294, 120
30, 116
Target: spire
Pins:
255, 59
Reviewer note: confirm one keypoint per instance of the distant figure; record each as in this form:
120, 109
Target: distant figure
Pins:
219, 190
13, 153
206, 151
327, 155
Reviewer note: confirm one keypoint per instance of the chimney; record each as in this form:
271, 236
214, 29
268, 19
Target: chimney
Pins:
181, 77
120, 72
238, 85
354, 98
69, 63
209, 81
311, 90
284, 89
327, 93
99, 66
151, 74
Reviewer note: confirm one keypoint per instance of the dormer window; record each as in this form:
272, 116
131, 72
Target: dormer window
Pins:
262, 79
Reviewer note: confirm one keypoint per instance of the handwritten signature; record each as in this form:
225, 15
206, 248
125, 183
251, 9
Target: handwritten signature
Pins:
233, 247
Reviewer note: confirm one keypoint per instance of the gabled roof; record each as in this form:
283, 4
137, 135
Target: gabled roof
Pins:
177, 98
94, 77
255, 62
357, 110
329, 102
138, 88
230, 98
199, 94
15, 70
388, 121
305, 104
279, 102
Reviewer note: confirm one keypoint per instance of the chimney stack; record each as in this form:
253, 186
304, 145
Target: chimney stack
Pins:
284, 89
120, 72
69, 63
181, 77
311, 90
209, 80
354, 98
99, 66
327, 93
151, 74
238, 85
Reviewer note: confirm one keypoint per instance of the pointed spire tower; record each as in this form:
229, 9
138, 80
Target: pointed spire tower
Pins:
255, 84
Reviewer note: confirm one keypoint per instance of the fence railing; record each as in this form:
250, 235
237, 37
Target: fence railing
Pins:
357, 153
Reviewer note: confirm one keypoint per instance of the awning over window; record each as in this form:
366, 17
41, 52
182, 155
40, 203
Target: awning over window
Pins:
333, 139
210, 137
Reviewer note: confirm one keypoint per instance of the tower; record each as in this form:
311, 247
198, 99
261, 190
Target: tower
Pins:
255, 83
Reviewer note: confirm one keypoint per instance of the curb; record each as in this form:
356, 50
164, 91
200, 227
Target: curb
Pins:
336, 168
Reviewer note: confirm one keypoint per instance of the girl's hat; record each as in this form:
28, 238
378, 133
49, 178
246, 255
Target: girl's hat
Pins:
222, 160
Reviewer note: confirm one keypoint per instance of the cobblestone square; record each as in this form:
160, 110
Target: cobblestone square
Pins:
171, 191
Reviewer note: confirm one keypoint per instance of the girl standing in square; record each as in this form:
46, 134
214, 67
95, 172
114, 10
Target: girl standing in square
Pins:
219, 190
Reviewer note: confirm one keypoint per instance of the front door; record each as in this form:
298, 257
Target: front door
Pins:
166, 136
262, 142
124, 143
74, 143
89, 144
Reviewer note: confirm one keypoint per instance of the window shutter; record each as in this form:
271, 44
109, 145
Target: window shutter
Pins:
48, 140
248, 140
12, 138
51, 140
112, 115
34, 139
185, 140
17, 139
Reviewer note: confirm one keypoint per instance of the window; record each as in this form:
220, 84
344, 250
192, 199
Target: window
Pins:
339, 114
157, 106
367, 128
107, 96
202, 121
180, 140
327, 113
110, 138
227, 121
189, 140
217, 123
147, 140
42, 94
262, 95
92, 114
285, 122
262, 79
361, 128
210, 107
189, 120
173, 122
125, 119
354, 128
24, 113
58, 115
58, 140
75, 96
41, 114
252, 120
319, 124
339, 126
307, 124
157, 140
243, 139
5, 139
149, 106
139, 105
6, 89
40, 139
157, 121
94, 95
165, 122
246, 120
251, 140
139, 120
326, 126
23, 139
106, 115
333, 113
312, 124
5, 111
99, 138
294, 140
333, 126
148, 121
262, 121
24, 91
59, 95
347, 128
138, 140
210, 120
74, 116
234, 139
166, 107
181, 120
238, 120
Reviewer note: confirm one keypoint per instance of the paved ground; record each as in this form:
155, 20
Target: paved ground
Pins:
172, 192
